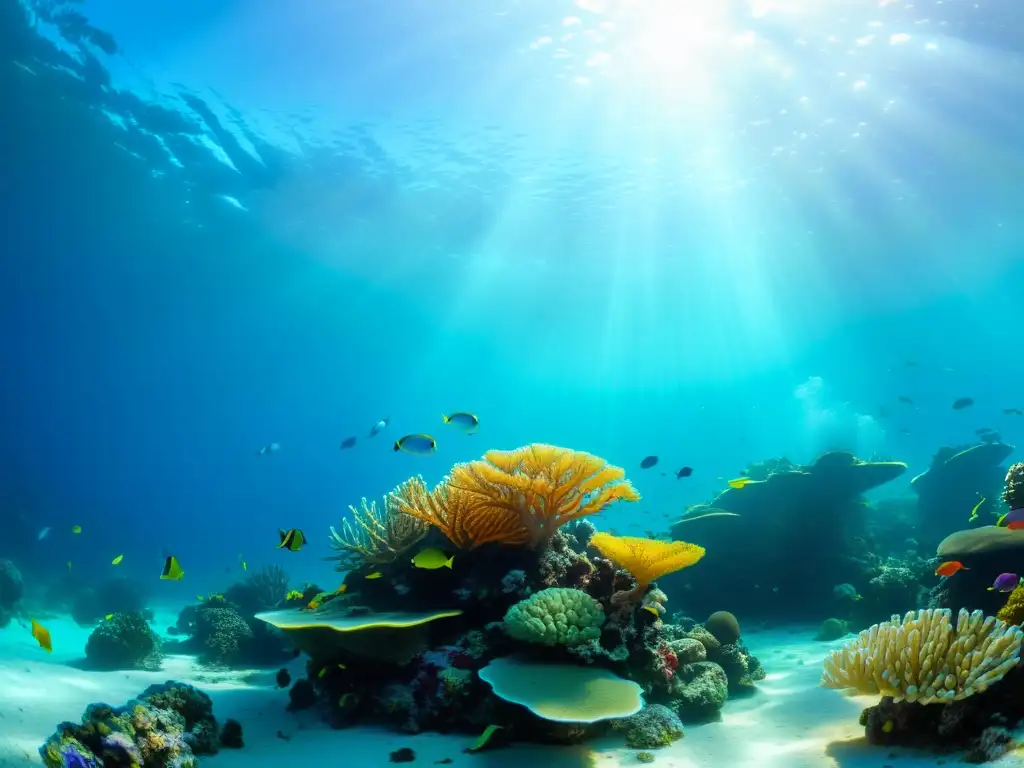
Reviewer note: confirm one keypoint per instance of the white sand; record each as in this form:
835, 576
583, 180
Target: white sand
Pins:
789, 723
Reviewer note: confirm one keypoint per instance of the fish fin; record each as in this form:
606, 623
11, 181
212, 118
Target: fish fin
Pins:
448, 563
446, 419
398, 446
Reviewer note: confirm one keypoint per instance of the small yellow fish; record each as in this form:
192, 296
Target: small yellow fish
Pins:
200, 598
485, 737
374, 575
313, 604
245, 567
974, 512
322, 673
888, 725
293, 595
172, 571
342, 667
42, 636
345, 698
739, 482
108, 617
432, 558
342, 589
117, 560
76, 529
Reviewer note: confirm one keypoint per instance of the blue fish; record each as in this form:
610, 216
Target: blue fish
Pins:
419, 445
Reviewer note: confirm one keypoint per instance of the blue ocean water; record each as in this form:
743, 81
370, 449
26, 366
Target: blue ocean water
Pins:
629, 227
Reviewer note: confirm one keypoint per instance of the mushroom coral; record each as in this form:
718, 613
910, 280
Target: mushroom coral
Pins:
564, 693
646, 559
519, 497
923, 658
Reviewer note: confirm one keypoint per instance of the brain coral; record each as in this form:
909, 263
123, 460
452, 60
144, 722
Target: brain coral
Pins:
556, 616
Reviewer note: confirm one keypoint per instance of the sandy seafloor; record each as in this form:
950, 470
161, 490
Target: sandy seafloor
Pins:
790, 723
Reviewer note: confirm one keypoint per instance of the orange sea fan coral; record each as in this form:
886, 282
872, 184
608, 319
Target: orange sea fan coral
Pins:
465, 519
543, 486
646, 559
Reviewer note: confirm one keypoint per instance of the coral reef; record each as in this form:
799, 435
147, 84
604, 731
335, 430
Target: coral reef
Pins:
124, 641
788, 539
985, 552
165, 727
831, 629
219, 633
540, 623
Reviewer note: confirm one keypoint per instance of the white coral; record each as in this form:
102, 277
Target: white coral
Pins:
923, 658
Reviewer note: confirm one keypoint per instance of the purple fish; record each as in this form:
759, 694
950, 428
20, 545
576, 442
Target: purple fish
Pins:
1005, 582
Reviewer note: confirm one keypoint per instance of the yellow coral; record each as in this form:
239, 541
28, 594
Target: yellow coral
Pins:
646, 559
924, 658
1013, 611
373, 536
515, 497
542, 486
465, 519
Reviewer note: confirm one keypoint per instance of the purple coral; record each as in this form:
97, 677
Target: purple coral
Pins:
118, 747
72, 757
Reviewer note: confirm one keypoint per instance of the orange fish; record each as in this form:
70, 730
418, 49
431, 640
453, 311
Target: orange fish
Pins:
42, 636
1016, 525
950, 567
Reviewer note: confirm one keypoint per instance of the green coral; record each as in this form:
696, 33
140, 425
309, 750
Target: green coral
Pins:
653, 726
124, 641
556, 616
831, 629
700, 690
454, 682
223, 632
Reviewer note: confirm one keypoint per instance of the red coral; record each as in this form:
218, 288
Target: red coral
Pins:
668, 661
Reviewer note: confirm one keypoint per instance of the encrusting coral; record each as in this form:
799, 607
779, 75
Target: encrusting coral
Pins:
923, 658
123, 641
646, 559
516, 497
1013, 491
374, 537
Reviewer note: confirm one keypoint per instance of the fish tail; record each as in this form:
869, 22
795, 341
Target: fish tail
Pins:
449, 561
398, 446
446, 419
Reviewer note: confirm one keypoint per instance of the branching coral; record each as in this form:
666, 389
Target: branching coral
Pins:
375, 536
463, 518
267, 588
544, 486
1013, 492
646, 559
515, 497
924, 658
